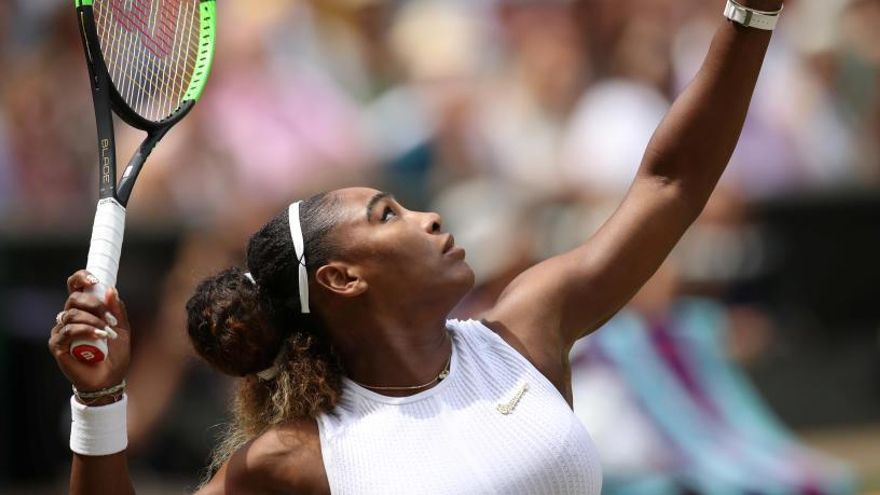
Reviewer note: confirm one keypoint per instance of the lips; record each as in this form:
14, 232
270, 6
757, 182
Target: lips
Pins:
449, 244
451, 250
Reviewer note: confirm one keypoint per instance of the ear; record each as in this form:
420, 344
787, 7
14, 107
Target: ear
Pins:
341, 279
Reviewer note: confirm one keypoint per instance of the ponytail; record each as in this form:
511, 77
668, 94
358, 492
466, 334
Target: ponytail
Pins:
242, 327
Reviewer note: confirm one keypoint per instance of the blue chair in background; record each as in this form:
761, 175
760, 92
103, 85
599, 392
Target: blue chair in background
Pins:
721, 437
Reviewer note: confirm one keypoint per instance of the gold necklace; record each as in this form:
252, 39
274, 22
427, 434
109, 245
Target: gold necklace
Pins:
443, 374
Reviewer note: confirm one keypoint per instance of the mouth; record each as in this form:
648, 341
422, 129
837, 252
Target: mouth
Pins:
449, 244
450, 249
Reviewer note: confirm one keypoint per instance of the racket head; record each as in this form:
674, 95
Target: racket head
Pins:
157, 54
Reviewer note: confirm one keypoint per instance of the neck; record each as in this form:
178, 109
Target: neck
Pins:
388, 350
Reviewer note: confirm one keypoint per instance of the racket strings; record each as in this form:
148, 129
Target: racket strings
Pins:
150, 49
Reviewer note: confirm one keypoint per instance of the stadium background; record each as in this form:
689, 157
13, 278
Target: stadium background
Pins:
520, 120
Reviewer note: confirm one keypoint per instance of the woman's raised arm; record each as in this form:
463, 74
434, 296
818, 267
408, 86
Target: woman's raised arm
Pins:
552, 304
99, 437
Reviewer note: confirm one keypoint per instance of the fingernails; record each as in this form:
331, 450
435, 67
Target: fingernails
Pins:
92, 279
101, 333
111, 319
111, 333
65, 330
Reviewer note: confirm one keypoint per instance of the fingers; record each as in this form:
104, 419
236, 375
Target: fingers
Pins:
116, 309
86, 302
80, 281
112, 311
88, 316
62, 336
75, 315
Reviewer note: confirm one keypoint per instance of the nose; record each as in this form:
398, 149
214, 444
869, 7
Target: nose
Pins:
432, 222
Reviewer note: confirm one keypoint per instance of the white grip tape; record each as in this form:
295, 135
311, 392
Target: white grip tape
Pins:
106, 246
105, 250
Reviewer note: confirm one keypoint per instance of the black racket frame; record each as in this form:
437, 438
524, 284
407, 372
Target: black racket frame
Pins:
107, 100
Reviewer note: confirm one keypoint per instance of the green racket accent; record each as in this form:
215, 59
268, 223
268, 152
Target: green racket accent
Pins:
151, 49
80, 3
207, 31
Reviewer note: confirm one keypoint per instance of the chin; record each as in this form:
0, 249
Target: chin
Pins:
465, 278
454, 283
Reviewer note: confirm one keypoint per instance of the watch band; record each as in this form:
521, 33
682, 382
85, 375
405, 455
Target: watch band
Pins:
753, 18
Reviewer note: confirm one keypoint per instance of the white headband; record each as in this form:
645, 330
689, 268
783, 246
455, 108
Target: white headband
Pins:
300, 253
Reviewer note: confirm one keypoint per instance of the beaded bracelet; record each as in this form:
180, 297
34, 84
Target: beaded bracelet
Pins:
113, 391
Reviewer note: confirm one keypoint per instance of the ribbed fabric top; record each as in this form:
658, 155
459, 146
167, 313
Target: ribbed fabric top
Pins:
454, 438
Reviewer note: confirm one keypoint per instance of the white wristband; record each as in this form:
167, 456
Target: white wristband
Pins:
752, 18
98, 430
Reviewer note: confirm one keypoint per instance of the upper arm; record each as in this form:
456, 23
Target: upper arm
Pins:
281, 460
555, 302
245, 473
563, 298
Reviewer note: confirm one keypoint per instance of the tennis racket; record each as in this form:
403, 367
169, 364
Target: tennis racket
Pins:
148, 62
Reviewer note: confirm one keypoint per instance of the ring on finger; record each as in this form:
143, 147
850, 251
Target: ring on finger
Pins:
59, 318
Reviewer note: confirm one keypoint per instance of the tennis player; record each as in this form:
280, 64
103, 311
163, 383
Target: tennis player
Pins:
354, 381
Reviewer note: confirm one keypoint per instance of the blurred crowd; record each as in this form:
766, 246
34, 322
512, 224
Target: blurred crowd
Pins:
521, 121
553, 99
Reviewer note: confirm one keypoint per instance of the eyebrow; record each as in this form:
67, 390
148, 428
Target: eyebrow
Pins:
374, 201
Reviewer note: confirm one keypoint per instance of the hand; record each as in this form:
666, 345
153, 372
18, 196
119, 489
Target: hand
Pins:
86, 316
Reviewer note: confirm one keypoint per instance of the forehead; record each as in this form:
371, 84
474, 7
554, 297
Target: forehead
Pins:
353, 201
355, 195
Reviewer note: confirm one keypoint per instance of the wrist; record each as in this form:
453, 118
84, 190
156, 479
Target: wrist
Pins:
752, 17
100, 397
765, 5
97, 431
100, 401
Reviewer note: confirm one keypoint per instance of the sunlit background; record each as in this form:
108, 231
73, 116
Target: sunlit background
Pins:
750, 362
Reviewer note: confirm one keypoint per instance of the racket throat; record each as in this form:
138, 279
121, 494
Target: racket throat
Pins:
133, 169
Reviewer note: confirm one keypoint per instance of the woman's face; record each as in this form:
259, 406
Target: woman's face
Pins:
404, 256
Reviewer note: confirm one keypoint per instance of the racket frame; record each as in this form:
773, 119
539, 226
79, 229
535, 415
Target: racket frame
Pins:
113, 195
102, 85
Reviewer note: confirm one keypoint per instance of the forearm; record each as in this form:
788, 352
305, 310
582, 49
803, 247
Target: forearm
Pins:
98, 435
99, 474
692, 146
96, 475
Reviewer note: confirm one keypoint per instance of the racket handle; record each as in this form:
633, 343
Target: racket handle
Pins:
105, 250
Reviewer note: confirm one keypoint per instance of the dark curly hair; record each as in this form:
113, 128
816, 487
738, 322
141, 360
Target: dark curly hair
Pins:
239, 327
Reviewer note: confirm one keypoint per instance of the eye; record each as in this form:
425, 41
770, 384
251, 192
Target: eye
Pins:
388, 214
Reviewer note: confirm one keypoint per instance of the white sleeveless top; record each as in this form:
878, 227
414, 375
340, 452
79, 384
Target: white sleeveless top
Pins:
455, 438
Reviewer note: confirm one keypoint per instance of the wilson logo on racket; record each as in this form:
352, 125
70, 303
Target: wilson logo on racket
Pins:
158, 40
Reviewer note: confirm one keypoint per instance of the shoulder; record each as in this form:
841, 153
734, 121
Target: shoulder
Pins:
284, 459
494, 332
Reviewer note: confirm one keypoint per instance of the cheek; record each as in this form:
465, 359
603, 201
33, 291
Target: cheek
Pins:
396, 256
411, 248
399, 252
403, 252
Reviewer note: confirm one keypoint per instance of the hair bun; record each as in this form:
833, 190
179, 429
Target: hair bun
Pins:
230, 325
